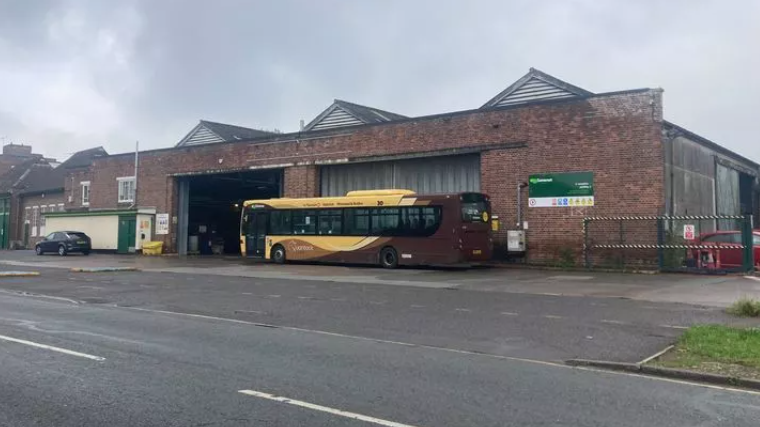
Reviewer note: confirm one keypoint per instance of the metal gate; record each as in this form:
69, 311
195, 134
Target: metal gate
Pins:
703, 243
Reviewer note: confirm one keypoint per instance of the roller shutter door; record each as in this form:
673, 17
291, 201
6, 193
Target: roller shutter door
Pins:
429, 175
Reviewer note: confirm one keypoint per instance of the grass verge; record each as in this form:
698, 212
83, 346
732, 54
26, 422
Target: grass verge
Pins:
746, 307
715, 349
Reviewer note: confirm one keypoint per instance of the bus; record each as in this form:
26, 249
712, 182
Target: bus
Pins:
385, 227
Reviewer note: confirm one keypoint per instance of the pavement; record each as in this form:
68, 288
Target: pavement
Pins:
175, 343
707, 290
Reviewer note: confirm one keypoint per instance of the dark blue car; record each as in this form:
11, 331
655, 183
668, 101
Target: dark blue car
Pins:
65, 242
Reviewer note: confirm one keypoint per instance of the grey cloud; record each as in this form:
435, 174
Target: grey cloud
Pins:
86, 72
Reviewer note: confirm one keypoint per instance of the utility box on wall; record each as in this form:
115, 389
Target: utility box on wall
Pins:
516, 241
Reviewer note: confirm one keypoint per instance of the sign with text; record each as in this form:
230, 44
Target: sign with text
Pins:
689, 232
573, 189
162, 223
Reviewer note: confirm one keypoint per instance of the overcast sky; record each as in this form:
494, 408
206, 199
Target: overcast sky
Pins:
81, 73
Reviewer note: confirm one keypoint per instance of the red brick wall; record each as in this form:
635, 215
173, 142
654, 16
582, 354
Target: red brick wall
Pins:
617, 136
301, 181
73, 187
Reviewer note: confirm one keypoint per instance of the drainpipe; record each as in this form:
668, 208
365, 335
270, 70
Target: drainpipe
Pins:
137, 158
520, 186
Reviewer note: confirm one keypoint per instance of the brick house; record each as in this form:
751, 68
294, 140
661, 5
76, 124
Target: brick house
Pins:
641, 164
35, 188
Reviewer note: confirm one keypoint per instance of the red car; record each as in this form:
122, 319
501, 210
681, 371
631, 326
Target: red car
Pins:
731, 240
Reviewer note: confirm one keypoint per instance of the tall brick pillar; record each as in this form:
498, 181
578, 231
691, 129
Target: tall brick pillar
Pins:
301, 181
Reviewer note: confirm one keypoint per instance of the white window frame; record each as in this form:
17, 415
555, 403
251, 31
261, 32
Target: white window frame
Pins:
85, 200
128, 198
35, 220
61, 207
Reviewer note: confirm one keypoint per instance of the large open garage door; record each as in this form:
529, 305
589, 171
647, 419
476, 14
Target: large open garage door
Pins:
429, 175
209, 208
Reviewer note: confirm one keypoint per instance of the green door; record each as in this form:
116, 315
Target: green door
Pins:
127, 234
5, 214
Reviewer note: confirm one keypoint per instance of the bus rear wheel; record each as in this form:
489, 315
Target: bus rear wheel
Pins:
278, 254
388, 258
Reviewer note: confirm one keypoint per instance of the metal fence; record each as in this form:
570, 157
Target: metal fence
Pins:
705, 243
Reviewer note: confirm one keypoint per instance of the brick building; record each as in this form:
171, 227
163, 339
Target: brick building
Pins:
33, 188
641, 164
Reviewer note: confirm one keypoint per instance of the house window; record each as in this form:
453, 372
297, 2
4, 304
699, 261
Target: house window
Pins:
61, 208
85, 193
43, 209
126, 189
35, 220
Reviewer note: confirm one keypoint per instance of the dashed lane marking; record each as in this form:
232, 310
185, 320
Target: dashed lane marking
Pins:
462, 309
509, 313
673, 326
614, 322
320, 408
51, 348
551, 316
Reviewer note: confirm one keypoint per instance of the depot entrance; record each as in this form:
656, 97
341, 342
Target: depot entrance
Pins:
210, 205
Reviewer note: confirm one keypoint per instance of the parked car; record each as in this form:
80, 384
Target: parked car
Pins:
65, 242
732, 255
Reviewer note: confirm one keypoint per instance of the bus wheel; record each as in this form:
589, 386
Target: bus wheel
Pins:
389, 258
278, 254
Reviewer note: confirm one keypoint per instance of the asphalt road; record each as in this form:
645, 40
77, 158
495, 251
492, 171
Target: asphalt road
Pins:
145, 368
542, 327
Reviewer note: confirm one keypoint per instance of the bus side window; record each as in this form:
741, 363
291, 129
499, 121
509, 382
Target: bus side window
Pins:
330, 221
304, 222
385, 221
431, 220
356, 222
280, 222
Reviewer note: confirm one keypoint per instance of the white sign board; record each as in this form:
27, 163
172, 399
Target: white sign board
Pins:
689, 232
162, 223
561, 202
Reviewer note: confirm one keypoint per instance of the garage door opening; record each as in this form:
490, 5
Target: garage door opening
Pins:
213, 207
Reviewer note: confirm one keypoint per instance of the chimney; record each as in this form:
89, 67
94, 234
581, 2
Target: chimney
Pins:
302, 125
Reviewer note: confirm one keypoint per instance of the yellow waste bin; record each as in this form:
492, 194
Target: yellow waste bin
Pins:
152, 248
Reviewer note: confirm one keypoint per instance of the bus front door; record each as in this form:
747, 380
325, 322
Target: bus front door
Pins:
257, 233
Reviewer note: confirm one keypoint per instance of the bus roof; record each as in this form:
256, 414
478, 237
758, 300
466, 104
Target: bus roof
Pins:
363, 198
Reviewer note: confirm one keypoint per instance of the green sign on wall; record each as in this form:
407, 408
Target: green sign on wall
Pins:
561, 190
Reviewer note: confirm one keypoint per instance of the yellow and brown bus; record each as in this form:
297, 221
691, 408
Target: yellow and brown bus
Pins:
386, 227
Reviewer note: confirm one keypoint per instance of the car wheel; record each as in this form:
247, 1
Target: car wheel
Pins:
278, 254
38, 250
62, 250
389, 258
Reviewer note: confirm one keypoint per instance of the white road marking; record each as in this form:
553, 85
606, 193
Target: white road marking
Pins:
274, 296
550, 294
673, 326
462, 309
656, 355
249, 311
333, 411
51, 348
443, 349
614, 322
305, 297
247, 293
755, 278
551, 316
509, 313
